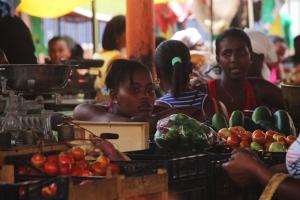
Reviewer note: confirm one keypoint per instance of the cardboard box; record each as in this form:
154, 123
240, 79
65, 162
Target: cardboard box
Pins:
132, 135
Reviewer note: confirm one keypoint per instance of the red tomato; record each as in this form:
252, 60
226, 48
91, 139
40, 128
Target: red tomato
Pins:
276, 136
236, 130
98, 169
76, 171
103, 160
259, 137
282, 140
83, 164
65, 169
64, 158
233, 141
49, 191
245, 135
38, 160
77, 153
224, 133
51, 168
86, 173
244, 144
270, 134
290, 139
52, 158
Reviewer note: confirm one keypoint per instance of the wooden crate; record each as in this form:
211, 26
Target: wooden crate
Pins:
132, 135
25, 150
105, 189
7, 174
154, 187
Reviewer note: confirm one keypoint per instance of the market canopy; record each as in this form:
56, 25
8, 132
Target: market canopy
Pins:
57, 8
49, 8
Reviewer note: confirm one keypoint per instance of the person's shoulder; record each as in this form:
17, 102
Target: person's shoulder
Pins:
259, 81
202, 88
262, 84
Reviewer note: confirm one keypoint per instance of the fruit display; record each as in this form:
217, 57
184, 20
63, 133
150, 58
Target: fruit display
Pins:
262, 118
179, 132
270, 141
72, 163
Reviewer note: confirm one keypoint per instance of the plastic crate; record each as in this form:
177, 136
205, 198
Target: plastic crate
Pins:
31, 190
189, 173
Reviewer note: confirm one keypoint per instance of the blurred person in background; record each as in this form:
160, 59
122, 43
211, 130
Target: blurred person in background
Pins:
294, 60
198, 51
15, 38
113, 44
277, 71
264, 55
59, 49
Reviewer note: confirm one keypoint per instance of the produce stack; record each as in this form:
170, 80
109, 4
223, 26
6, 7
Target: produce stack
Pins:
264, 131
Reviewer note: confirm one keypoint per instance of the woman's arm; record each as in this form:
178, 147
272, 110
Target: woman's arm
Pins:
245, 169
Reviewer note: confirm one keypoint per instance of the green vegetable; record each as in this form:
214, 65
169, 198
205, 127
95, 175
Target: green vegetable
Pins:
219, 121
266, 125
256, 146
262, 113
179, 132
249, 125
284, 122
236, 119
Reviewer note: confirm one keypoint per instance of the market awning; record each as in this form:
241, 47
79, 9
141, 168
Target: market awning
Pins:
49, 8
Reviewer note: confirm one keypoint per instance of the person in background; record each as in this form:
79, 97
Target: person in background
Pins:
131, 92
113, 44
15, 38
247, 170
173, 67
264, 57
294, 60
277, 72
234, 55
191, 38
59, 49
77, 52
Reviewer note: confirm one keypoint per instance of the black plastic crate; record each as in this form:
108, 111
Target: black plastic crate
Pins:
29, 187
272, 158
32, 190
178, 165
189, 173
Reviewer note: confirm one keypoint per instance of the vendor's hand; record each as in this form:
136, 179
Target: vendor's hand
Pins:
108, 149
241, 168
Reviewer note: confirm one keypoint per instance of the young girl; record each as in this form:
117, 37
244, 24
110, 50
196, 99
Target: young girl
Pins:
173, 66
131, 91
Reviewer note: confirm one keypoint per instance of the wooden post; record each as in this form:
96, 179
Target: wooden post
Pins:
95, 27
140, 43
